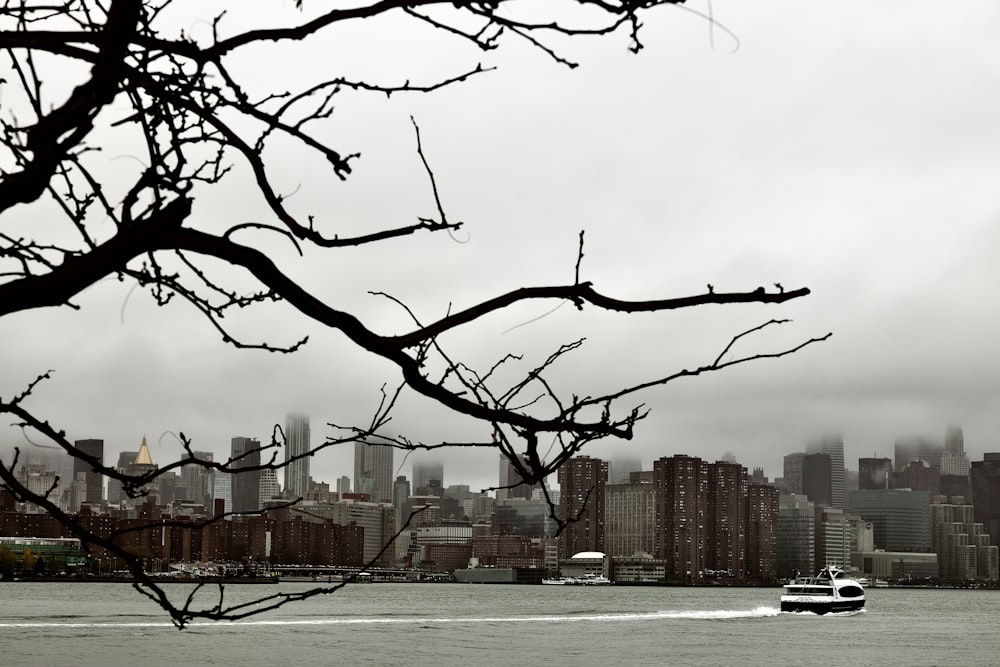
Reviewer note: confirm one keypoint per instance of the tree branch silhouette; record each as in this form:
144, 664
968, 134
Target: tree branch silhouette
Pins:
186, 110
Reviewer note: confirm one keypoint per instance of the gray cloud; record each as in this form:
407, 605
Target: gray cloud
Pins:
850, 148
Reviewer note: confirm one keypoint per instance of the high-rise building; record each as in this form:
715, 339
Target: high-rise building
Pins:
796, 536
817, 478
913, 448
874, 473
919, 476
400, 496
115, 494
196, 480
901, 518
222, 489
343, 484
833, 538
373, 470
792, 472
984, 483
762, 534
582, 481
629, 519
142, 464
245, 453
621, 467
833, 445
680, 484
425, 472
726, 520
963, 547
297, 448
512, 484
268, 488
94, 480
953, 459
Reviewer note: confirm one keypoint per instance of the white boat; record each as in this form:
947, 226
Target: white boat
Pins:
829, 591
554, 581
589, 580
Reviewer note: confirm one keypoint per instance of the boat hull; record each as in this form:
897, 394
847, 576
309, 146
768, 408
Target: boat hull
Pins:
822, 607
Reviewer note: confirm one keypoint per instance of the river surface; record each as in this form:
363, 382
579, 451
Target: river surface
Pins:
440, 625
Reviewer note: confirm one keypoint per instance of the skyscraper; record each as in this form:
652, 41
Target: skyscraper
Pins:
680, 485
984, 483
874, 473
630, 519
582, 497
245, 453
297, 444
94, 480
726, 519
509, 477
269, 487
762, 534
373, 470
817, 479
913, 448
424, 471
953, 459
833, 445
792, 472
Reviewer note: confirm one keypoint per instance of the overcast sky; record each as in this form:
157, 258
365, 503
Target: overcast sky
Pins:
849, 147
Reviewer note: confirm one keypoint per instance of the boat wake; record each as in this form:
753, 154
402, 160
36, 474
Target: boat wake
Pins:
759, 612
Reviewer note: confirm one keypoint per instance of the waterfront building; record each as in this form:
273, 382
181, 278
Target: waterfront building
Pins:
895, 565
373, 470
796, 540
582, 481
726, 520
762, 534
630, 519
681, 494
297, 448
962, 546
901, 517
833, 538
874, 473
245, 453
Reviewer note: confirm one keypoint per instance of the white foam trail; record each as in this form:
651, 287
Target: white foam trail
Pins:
760, 612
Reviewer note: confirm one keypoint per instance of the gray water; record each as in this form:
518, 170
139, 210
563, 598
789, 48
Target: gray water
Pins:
440, 625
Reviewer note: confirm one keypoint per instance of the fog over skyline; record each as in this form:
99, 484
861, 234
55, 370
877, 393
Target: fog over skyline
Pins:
851, 148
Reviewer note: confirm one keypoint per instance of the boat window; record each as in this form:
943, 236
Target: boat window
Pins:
851, 591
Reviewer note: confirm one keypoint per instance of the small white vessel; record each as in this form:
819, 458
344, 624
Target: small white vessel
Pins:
829, 591
554, 581
589, 580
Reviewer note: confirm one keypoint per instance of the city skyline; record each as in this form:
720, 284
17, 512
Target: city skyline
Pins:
346, 462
